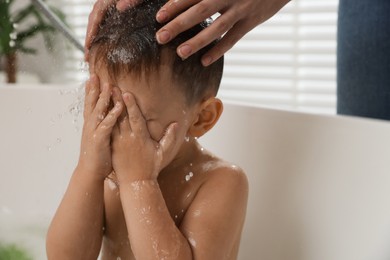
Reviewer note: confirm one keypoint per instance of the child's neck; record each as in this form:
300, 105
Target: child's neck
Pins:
187, 155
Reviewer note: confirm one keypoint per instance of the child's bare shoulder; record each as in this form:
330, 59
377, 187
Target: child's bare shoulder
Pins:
216, 215
223, 175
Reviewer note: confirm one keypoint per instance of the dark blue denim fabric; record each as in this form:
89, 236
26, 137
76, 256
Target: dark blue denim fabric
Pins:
363, 58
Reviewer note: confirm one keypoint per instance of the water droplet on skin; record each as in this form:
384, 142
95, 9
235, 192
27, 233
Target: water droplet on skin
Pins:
187, 138
192, 241
189, 176
197, 213
111, 184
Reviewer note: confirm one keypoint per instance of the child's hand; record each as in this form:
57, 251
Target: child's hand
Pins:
135, 155
95, 154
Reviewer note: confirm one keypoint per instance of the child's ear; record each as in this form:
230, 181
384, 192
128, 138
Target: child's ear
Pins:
209, 112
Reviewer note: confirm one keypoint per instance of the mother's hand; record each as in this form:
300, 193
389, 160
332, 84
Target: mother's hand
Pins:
96, 16
237, 18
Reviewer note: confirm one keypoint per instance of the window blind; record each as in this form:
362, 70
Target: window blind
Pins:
288, 62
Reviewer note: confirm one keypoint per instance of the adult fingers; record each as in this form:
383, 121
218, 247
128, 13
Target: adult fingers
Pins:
95, 17
198, 12
220, 26
226, 43
172, 8
91, 94
136, 119
122, 5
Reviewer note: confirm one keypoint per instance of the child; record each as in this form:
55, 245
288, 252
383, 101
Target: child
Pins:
143, 187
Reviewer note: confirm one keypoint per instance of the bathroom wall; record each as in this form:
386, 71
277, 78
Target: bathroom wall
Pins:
319, 185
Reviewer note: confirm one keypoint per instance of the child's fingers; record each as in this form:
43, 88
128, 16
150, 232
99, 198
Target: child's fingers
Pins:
102, 103
115, 135
91, 94
168, 141
123, 124
117, 97
136, 119
106, 126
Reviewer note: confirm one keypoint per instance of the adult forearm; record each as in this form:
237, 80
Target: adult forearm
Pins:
152, 232
77, 227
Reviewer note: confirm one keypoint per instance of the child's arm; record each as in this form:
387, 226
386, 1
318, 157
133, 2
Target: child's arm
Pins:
212, 226
77, 227
137, 159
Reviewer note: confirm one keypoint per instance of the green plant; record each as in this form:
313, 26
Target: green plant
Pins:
13, 252
16, 27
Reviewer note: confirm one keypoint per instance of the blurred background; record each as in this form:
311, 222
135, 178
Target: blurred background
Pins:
288, 62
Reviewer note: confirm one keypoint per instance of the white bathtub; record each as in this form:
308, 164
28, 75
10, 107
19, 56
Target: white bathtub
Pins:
319, 185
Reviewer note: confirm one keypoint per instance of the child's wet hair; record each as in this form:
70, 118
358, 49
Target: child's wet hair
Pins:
126, 43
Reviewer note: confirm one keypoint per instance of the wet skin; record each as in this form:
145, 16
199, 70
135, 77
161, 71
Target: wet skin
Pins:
163, 104
169, 198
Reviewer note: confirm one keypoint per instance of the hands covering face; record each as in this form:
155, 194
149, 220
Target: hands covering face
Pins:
99, 121
118, 138
135, 154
